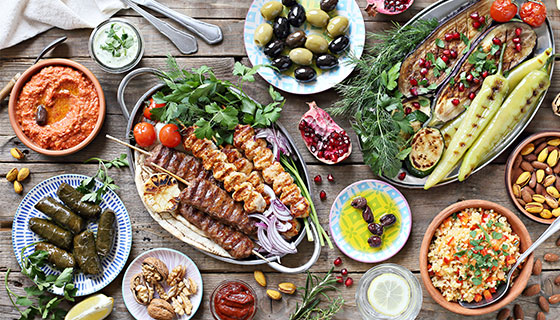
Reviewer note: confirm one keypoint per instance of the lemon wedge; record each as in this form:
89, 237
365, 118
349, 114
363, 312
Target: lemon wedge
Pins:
96, 307
389, 294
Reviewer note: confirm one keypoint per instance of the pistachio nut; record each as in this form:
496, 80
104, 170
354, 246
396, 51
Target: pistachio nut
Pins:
534, 207
546, 214
553, 192
554, 142
527, 149
543, 155
551, 202
538, 198
273, 294
549, 180
556, 212
16, 153
540, 175
23, 174
287, 287
12, 175
18, 188
523, 178
260, 278
552, 159
516, 189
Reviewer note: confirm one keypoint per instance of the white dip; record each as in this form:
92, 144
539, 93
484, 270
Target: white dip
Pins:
115, 45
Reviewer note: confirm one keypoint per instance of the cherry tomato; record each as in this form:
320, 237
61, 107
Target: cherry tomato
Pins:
169, 136
503, 10
150, 106
144, 134
533, 13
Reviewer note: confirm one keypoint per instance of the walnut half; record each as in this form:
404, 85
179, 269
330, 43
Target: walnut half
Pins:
160, 309
154, 270
142, 292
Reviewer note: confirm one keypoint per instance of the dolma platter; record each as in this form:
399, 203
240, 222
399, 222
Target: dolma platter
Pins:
112, 264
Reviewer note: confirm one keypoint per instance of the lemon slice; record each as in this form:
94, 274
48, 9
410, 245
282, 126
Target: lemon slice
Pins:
389, 294
96, 307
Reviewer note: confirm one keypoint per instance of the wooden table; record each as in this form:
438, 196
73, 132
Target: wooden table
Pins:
488, 184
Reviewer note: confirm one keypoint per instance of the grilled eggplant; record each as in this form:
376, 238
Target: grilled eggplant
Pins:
73, 199
85, 253
105, 232
420, 108
431, 62
51, 232
61, 214
58, 257
459, 90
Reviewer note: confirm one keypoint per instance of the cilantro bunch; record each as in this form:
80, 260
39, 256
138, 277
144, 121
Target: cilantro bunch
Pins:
87, 186
215, 106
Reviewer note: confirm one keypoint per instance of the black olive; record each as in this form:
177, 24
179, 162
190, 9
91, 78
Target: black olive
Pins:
289, 3
326, 61
388, 220
359, 203
339, 44
283, 63
328, 5
41, 115
296, 39
374, 241
296, 16
281, 28
305, 74
375, 229
274, 48
367, 214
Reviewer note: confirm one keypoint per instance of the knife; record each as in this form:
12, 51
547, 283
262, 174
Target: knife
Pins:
210, 33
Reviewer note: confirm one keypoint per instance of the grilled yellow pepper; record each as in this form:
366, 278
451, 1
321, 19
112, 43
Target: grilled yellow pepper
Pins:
478, 115
522, 100
522, 70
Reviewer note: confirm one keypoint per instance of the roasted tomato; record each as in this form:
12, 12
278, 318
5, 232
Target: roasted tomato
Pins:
169, 136
503, 10
150, 106
144, 134
533, 13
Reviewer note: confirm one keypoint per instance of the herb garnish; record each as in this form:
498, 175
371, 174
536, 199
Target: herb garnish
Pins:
38, 300
115, 44
312, 292
87, 186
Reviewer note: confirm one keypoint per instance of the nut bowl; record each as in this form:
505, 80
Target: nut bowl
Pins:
543, 174
519, 282
26, 76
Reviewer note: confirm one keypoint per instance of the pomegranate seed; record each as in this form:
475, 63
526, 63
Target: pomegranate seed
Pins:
456, 35
518, 47
348, 282
402, 175
455, 102
453, 53
472, 95
344, 272
476, 80
416, 105
337, 261
446, 52
518, 32
318, 179
407, 110
497, 41
421, 62
516, 40
339, 279
323, 195
448, 37
423, 71
330, 178
413, 82
461, 86
445, 59
485, 74
481, 19
474, 15
469, 77
476, 24
414, 91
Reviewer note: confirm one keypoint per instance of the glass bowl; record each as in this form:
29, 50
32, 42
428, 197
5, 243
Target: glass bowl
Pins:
223, 284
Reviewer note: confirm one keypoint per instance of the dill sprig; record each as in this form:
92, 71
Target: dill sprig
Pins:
375, 102
314, 289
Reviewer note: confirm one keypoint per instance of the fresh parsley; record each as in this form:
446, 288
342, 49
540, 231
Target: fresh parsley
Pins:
115, 44
87, 186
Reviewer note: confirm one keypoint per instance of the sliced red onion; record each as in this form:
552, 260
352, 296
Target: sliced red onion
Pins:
283, 227
276, 239
269, 237
280, 210
278, 141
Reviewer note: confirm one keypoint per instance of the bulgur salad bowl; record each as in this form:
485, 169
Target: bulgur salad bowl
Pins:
467, 252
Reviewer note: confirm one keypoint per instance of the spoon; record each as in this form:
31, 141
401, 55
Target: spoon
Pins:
6, 90
504, 287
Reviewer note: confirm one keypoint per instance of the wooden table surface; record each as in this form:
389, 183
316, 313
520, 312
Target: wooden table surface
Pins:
487, 184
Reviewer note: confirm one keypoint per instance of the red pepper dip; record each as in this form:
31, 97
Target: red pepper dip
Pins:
233, 300
71, 104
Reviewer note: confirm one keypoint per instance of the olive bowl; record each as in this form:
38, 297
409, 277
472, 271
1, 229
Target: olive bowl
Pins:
513, 170
520, 282
26, 76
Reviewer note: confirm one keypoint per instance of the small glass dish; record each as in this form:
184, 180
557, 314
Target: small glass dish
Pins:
364, 306
222, 285
104, 58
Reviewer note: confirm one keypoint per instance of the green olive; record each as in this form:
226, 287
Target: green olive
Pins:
317, 44
301, 56
337, 26
317, 18
263, 34
271, 10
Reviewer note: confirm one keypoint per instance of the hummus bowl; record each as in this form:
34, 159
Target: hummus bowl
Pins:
72, 103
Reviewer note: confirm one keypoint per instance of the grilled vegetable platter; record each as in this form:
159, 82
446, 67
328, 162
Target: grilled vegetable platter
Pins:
92, 240
448, 92
227, 179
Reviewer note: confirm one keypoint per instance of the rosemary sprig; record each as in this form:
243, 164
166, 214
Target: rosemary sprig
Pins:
372, 98
314, 289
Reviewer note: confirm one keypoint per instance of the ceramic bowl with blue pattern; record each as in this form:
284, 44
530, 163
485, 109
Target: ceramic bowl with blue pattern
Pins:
326, 79
350, 231
112, 264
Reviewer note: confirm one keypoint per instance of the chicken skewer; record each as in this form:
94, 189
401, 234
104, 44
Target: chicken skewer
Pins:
272, 171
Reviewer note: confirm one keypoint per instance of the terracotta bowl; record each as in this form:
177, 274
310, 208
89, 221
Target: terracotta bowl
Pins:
14, 95
512, 173
520, 282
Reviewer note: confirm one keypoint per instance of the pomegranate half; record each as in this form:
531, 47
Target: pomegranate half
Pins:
389, 7
325, 139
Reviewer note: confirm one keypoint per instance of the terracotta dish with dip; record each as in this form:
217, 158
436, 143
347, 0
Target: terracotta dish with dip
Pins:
57, 107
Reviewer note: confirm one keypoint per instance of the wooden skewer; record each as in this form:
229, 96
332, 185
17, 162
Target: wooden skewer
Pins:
171, 174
